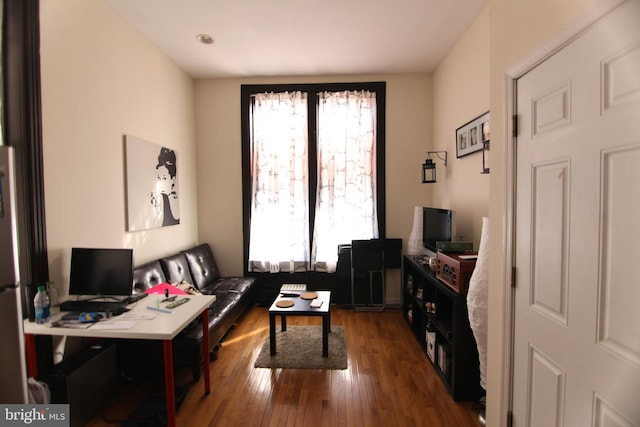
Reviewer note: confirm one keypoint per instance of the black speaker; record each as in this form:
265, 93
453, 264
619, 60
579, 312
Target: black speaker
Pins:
86, 380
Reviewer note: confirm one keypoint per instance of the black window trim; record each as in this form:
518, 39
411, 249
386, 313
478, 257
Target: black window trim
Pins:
248, 90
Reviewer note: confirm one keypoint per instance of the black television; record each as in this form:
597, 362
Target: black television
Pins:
437, 226
101, 272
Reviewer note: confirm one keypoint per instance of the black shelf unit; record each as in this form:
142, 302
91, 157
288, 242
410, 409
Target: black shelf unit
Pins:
429, 305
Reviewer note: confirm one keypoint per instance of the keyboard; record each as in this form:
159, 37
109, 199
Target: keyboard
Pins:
293, 287
93, 306
90, 306
134, 298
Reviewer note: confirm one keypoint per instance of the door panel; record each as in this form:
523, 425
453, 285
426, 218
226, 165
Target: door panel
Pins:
546, 398
577, 326
549, 214
620, 230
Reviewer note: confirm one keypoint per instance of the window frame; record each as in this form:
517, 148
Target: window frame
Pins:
312, 89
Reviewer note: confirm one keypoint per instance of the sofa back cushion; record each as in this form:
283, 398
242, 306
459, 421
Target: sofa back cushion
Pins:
148, 275
204, 270
176, 268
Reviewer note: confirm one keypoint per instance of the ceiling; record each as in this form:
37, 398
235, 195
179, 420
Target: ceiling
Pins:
302, 37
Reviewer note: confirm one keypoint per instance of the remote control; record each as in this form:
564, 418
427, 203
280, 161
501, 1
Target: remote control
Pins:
290, 294
178, 302
316, 303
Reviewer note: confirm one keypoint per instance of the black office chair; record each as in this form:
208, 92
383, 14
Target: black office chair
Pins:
368, 255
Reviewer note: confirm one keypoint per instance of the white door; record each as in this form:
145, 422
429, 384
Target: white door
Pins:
577, 298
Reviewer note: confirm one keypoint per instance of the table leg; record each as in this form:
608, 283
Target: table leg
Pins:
205, 350
283, 322
32, 361
272, 333
168, 384
326, 324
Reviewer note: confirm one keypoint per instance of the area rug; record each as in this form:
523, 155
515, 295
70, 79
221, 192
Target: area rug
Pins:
300, 347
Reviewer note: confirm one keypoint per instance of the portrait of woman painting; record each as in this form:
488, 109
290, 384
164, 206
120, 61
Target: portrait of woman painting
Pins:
152, 185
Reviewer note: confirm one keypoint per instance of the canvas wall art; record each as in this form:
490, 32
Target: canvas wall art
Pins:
152, 185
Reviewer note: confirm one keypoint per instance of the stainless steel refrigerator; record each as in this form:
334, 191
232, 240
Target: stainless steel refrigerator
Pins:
13, 372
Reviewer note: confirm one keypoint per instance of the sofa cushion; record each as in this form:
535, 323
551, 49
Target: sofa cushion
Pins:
229, 284
148, 275
202, 265
176, 268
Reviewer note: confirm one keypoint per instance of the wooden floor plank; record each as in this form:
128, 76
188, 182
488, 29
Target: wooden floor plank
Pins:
389, 381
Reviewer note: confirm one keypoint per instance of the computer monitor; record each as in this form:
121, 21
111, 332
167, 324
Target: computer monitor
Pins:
101, 272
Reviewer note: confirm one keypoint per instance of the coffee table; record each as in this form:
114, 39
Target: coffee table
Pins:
301, 307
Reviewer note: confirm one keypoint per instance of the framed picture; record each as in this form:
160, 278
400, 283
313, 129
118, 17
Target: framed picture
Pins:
152, 185
470, 136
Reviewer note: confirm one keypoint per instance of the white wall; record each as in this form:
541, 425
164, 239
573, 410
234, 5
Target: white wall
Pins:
408, 136
460, 94
101, 80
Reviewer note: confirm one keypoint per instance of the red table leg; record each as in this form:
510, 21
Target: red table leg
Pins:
32, 361
205, 350
168, 384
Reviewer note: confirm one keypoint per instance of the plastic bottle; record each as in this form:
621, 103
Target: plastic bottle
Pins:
41, 306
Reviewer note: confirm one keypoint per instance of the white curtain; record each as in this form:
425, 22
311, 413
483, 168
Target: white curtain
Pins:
279, 207
346, 192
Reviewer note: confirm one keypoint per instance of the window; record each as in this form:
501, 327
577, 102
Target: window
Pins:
313, 172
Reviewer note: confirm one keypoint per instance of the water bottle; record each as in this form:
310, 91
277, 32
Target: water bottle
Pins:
41, 306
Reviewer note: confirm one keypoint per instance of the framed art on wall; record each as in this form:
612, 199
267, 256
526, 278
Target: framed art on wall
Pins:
470, 136
152, 185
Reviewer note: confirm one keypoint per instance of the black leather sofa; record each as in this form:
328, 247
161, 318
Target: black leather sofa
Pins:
198, 267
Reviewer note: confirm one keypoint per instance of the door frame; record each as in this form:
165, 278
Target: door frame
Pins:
511, 76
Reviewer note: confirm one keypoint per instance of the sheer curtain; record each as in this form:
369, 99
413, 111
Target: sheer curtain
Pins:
346, 192
279, 206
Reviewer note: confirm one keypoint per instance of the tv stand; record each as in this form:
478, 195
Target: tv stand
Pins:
438, 317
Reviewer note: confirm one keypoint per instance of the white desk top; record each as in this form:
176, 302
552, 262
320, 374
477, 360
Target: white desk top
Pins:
164, 326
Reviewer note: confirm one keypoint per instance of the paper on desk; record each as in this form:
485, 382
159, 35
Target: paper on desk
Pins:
72, 324
114, 324
138, 316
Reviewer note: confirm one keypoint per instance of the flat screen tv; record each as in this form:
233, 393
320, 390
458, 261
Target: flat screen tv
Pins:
101, 272
437, 226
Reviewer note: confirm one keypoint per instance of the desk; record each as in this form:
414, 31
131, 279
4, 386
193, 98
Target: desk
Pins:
164, 327
301, 307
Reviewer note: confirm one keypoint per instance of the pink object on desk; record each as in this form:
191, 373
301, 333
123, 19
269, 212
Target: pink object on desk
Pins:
162, 289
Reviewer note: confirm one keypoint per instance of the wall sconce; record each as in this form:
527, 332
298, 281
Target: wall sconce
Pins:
429, 167
485, 156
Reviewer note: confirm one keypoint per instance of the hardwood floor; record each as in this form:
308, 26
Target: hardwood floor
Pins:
389, 382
